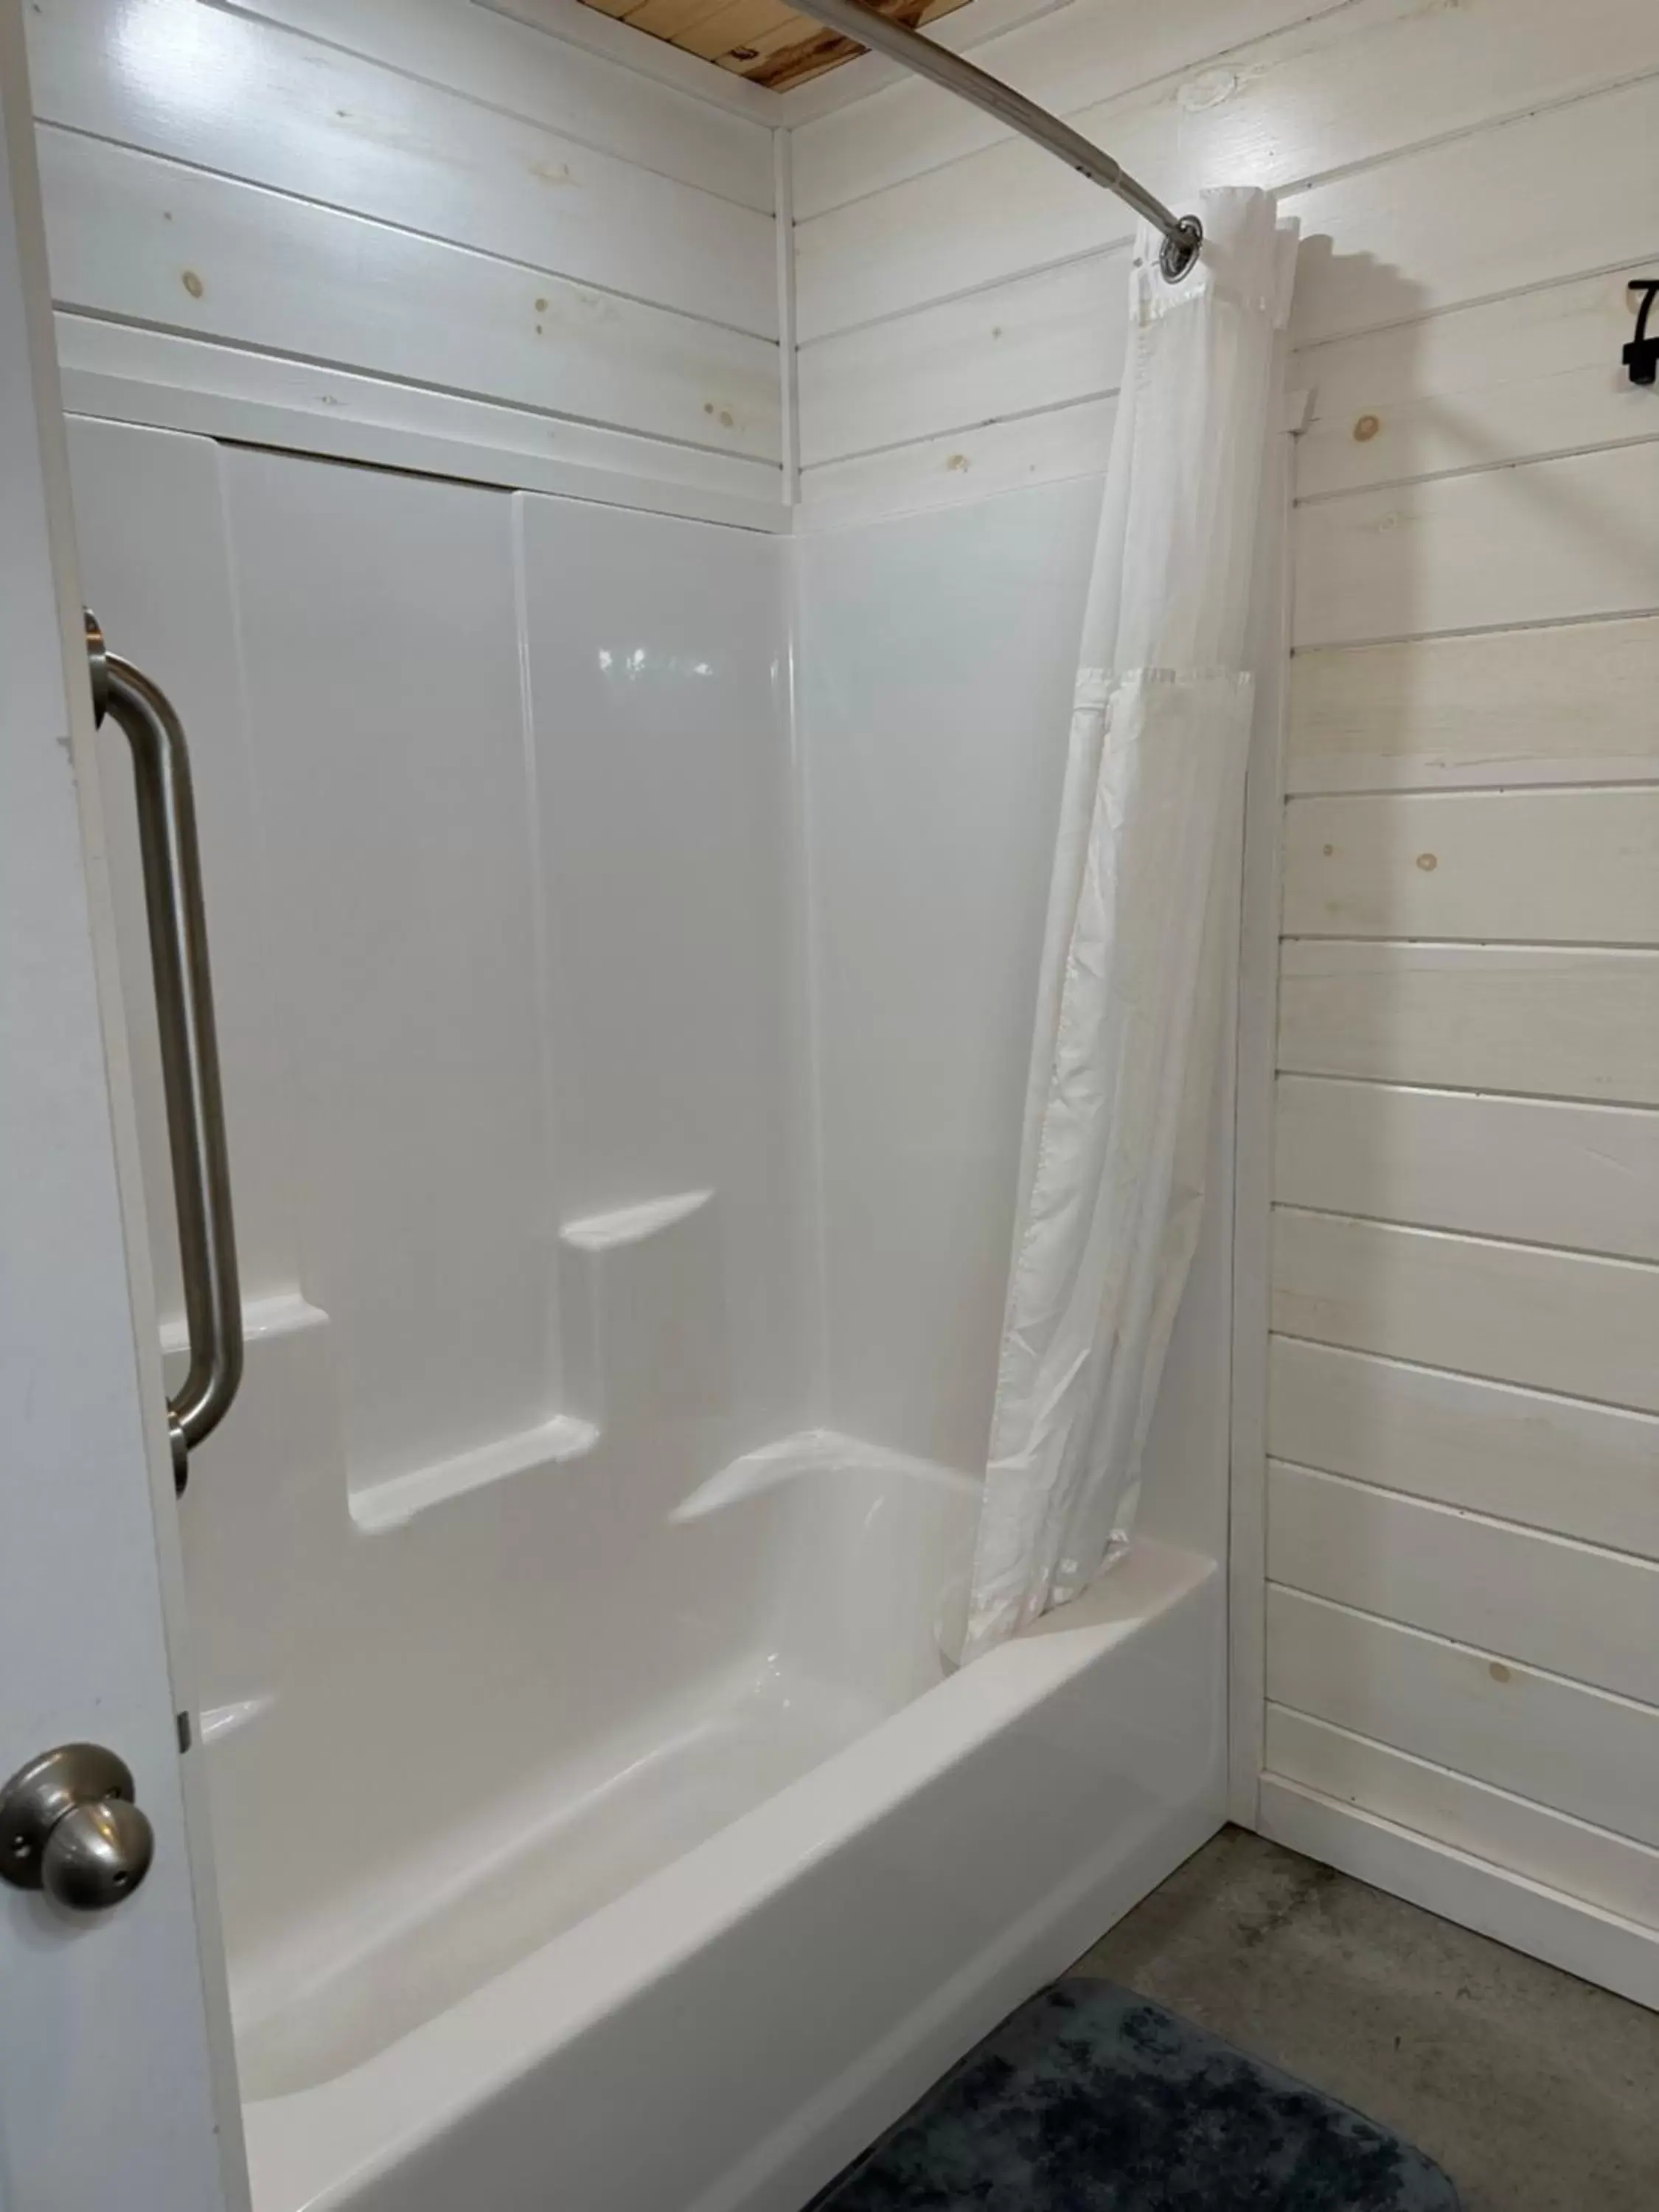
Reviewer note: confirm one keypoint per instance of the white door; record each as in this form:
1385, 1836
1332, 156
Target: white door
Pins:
117, 2076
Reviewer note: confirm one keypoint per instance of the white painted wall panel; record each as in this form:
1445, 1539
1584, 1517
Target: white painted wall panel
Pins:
1577, 867
1538, 1170
1525, 376
1529, 196
516, 69
1544, 542
176, 81
1061, 334
1569, 1855
227, 260
1349, 87
1559, 1743
1589, 1615
1508, 379
963, 466
1570, 704
1550, 1018
1558, 1463
431, 211
1072, 58
118, 373
1518, 1313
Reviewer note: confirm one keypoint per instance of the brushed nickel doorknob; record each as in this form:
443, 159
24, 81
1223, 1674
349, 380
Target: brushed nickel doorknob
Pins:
69, 1825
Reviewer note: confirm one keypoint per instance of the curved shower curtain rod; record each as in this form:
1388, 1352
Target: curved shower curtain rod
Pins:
1182, 233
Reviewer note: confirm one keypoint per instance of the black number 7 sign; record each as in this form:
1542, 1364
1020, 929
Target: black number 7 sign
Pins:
1641, 356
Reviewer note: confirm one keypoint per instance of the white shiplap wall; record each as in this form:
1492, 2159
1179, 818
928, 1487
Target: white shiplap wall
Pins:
960, 294
412, 232
1451, 1681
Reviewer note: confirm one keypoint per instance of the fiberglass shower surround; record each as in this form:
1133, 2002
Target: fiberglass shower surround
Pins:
628, 1116
1138, 944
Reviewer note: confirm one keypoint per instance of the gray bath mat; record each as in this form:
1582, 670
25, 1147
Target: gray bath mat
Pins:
1091, 2099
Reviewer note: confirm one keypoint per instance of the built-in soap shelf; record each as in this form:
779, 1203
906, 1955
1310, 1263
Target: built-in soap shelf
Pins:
642, 1321
381, 1505
219, 1721
631, 1224
613, 1345
279, 1313
589, 1325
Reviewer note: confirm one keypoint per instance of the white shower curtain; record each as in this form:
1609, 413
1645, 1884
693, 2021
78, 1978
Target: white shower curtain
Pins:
1123, 1060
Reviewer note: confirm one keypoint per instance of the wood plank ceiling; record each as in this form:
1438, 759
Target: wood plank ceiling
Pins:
761, 40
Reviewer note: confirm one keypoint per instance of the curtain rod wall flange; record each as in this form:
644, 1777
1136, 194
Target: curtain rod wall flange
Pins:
1183, 234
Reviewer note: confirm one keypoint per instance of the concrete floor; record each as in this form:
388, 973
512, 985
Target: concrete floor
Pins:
1535, 2091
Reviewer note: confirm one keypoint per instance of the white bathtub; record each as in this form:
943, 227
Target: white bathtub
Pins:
637, 1084
697, 1960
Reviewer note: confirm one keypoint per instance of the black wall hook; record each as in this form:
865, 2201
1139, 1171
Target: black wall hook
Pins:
1641, 356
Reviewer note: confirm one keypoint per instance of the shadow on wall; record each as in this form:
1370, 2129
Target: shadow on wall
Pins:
1533, 387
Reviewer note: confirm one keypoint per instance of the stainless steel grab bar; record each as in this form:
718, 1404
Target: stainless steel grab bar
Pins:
172, 862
